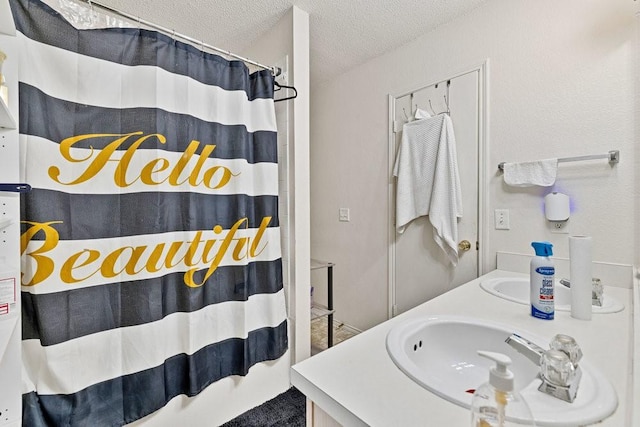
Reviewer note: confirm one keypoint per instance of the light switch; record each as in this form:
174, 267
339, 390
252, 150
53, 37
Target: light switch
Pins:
343, 215
501, 218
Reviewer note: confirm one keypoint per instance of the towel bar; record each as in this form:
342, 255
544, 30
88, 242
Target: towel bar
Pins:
613, 156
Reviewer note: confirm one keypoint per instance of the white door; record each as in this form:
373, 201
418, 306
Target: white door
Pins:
420, 269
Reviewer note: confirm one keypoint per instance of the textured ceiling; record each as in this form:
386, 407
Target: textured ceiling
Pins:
343, 33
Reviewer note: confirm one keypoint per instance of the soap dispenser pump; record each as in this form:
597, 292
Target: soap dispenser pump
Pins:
496, 403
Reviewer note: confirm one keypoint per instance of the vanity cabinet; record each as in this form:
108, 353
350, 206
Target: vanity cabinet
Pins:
357, 383
10, 330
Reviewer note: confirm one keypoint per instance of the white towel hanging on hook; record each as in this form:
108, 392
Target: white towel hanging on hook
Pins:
428, 180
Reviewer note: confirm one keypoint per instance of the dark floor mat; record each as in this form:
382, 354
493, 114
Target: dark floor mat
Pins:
285, 410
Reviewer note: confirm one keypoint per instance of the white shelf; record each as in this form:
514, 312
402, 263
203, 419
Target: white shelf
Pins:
4, 223
6, 119
317, 264
318, 312
7, 26
10, 344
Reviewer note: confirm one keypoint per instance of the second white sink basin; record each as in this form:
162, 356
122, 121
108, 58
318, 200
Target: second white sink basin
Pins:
516, 289
440, 354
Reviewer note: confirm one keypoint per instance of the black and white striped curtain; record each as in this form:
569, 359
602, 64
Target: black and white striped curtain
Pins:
151, 263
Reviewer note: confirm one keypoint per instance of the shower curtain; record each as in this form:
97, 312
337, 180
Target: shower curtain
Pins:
151, 262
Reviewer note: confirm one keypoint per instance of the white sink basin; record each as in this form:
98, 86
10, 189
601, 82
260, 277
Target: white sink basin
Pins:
440, 354
516, 289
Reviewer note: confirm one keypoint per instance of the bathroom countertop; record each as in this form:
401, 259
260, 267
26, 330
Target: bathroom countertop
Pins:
357, 383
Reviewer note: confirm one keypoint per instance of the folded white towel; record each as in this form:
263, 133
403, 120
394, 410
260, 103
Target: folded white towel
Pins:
525, 174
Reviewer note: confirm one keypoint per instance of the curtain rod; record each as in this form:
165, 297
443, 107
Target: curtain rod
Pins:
276, 71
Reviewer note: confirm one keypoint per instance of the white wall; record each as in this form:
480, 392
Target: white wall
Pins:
563, 82
291, 38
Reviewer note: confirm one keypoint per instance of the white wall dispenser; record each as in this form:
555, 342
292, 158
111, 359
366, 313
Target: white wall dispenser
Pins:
557, 208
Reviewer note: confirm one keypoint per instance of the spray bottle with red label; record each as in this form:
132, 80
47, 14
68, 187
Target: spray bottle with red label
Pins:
542, 281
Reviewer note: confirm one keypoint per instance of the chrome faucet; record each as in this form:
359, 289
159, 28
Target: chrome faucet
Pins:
559, 370
525, 347
596, 290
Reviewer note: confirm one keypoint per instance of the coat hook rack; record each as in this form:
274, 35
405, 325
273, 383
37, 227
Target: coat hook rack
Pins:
446, 100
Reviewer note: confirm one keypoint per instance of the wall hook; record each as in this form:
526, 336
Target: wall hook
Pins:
431, 107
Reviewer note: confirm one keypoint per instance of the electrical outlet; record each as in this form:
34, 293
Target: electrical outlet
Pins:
343, 215
501, 218
559, 227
